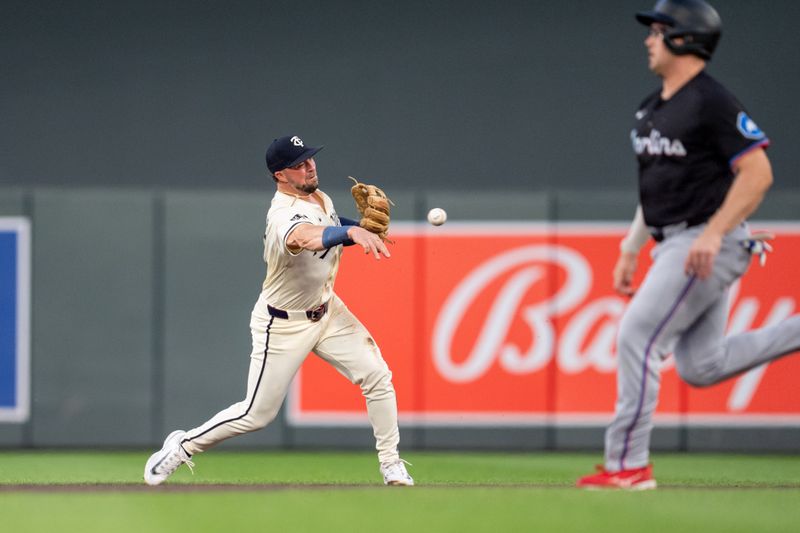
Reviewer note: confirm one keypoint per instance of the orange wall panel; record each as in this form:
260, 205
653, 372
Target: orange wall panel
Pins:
516, 324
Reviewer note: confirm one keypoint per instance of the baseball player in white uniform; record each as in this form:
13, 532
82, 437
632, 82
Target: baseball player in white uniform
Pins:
297, 313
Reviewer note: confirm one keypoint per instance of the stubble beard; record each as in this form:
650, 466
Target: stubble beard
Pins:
308, 188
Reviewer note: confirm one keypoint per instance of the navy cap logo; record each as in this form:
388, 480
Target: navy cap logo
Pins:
287, 152
747, 127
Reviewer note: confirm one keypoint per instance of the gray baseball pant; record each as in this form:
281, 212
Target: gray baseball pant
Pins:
675, 313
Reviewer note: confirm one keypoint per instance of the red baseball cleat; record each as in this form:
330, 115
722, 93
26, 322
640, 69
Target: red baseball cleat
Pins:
633, 479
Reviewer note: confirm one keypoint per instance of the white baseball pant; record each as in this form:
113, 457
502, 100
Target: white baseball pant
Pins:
280, 346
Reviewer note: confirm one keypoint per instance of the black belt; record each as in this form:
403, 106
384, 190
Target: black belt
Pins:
660, 233
314, 315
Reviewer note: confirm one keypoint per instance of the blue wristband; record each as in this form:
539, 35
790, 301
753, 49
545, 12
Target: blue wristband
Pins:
334, 236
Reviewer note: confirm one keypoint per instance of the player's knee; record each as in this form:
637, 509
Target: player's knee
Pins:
631, 343
696, 376
260, 419
633, 324
377, 383
257, 423
630, 354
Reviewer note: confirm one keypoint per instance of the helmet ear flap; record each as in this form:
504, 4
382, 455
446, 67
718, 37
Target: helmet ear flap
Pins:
700, 45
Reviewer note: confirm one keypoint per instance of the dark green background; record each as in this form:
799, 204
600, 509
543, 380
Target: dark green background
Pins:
420, 94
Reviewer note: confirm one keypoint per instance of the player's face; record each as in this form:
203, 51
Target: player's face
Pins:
658, 55
302, 177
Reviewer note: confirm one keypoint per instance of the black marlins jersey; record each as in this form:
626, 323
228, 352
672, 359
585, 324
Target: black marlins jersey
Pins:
686, 147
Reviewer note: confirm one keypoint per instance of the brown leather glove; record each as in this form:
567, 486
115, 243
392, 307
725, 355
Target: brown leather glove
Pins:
374, 206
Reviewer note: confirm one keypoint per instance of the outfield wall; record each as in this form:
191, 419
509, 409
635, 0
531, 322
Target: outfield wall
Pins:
140, 303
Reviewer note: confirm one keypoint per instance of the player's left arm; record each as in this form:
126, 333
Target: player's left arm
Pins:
317, 238
753, 177
305, 237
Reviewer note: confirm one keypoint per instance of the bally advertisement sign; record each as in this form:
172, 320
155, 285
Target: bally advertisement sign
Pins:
515, 324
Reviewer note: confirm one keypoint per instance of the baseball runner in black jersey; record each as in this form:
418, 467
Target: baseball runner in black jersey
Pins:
703, 170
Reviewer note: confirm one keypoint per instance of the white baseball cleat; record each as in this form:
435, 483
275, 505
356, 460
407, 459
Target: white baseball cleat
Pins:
395, 473
165, 461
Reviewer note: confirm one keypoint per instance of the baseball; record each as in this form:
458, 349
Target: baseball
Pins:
437, 216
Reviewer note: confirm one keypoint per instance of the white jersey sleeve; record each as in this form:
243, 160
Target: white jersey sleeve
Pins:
284, 220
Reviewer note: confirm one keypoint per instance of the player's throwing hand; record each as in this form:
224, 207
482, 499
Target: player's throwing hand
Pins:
370, 242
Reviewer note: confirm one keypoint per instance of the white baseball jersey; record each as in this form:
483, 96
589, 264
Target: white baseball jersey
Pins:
296, 283
305, 279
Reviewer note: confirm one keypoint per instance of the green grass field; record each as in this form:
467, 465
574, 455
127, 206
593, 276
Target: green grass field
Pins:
332, 492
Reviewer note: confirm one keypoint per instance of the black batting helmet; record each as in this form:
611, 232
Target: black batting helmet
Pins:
694, 21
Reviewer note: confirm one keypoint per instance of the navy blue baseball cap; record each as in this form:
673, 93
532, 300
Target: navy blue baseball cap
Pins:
288, 151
